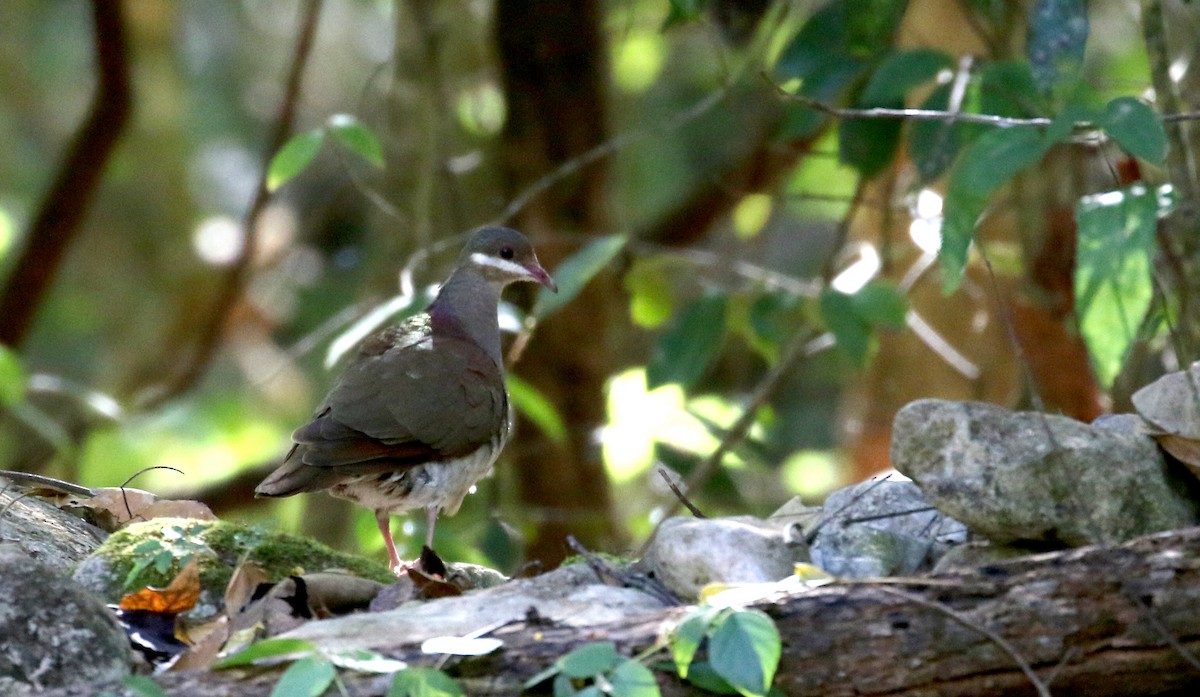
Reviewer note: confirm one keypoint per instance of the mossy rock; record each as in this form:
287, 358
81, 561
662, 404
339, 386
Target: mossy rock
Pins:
153, 552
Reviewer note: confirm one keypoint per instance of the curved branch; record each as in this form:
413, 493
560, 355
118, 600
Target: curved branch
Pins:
63, 209
213, 326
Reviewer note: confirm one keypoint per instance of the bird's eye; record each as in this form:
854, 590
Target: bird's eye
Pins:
506, 253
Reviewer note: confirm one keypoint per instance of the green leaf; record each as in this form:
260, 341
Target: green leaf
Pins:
1113, 289
1007, 88
705, 677
423, 682
12, 377
266, 649
880, 304
1136, 128
307, 677
632, 679
686, 638
683, 11
651, 297
869, 145
1054, 43
293, 157
537, 408
357, 137
1064, 122
365, 661
589, 659
900, 72
575, 272
932, 145
853, 336
689, 343
143, 686
985, 166
744, 650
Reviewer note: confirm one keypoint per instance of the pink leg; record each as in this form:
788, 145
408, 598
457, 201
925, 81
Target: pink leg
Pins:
385, 528
431, 514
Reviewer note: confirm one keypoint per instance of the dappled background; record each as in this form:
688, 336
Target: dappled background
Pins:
753, 277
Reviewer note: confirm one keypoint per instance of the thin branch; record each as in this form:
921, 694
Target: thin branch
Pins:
683, 499
213, 326
967, 622
62, 211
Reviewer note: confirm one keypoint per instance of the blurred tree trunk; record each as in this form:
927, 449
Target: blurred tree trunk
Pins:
554, 65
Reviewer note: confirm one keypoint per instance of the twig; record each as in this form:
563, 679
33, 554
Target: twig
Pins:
1173, 641
610, 574
885, 516
828, 517
62, 211
212, 330
683, 499
998, 640
28, 479
135, 475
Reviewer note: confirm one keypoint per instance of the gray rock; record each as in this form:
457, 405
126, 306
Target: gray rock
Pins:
570, 596
53, 633
690, 553
978, 553
882, 528
1038, 477
1172, 402
57, 539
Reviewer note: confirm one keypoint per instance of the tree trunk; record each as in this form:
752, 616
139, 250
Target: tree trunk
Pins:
554, 73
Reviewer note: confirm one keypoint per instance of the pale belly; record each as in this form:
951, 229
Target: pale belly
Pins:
440, 484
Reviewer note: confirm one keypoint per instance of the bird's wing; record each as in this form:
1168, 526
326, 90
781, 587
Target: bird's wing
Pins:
434, 399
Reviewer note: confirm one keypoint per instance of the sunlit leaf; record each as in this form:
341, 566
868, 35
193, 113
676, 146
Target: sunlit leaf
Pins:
744, 650
423, 682
575, 272
265, 650
751, 214
686, 638
1054, 43
12, 377
632, 679
689, 343
307, 677
589, 659
985, 166
1136, 128
461, 646
537, 408
293, 157
1113, 287
357, 137
365, 661
651, 296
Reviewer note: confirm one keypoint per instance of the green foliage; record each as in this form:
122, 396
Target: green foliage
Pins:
357, 138
596, 669
1113, 287
292, 159
143, 686
266, 651
301, 149
421, 681
743, 650
683, 11
307, 677
854, 318
575, 272
537, 408
12, 377
1136, 128
689, 343
833, 50
932, 145
651, 300
870, 144
986, 165
174, 549
1057, 35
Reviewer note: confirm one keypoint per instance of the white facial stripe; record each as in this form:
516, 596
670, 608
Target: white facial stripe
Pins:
504, 265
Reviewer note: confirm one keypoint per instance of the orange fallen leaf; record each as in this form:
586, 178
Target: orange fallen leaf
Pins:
179, 596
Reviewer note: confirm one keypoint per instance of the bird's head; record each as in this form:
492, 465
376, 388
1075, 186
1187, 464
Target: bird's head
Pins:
503, 255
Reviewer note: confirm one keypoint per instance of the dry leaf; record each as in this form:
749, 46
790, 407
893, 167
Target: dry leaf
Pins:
179, 596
